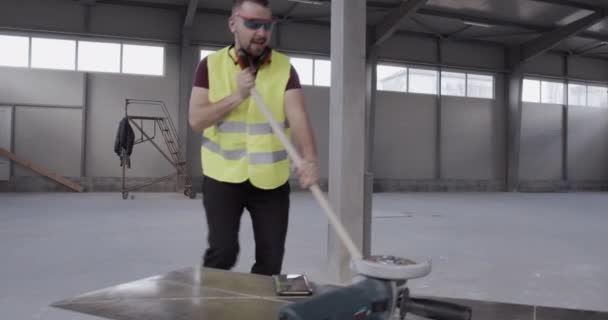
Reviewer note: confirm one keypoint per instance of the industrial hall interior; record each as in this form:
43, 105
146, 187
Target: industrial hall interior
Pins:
303, 159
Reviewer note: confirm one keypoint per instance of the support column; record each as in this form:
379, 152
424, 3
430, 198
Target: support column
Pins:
86, 97
189, 56
347, 129
188, 63
514, 85
565, 121
438, 115
86, 100
370, 128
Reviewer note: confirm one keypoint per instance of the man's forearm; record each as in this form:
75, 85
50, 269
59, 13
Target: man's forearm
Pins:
303, 135
202, 117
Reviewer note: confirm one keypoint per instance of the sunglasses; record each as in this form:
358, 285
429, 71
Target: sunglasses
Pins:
257, 23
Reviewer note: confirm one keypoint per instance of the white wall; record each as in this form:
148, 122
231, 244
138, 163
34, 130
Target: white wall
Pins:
404, 140
587, 127
409, 48
473, 55
136, 22
45, 87
472, 131
51, 137
541, 142
587, 144
472, 139
34, 14
548, 64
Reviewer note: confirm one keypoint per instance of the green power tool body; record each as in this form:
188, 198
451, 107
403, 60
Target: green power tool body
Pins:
370, 297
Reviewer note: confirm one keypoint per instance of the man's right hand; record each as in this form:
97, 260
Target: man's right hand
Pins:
245, 81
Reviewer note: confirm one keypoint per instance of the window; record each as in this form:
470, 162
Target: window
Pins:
86, 56
587, 95
53, 54
577, 94
597, 96
453, 84
391, 78
531, 91
480, 86
98, 56
458, 84
540, 91
205, 53
144, 60
322, 72
303, 67
423, 81
15, 51
552, 92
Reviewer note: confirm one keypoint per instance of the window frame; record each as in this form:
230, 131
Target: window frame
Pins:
29, 49
54, 37
99, 41
437, 79
150, 44
390, 64
493, 76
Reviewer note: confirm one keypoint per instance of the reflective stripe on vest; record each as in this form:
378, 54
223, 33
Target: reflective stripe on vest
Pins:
242, 127
238, 154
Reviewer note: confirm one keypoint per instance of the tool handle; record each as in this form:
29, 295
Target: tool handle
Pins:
315, 189
438, 310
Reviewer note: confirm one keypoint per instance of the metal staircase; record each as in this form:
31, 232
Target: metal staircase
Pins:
174, 145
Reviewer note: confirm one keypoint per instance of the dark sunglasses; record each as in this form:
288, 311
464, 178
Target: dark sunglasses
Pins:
257, 23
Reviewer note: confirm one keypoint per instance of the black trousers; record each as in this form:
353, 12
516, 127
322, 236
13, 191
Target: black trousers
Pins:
269, 209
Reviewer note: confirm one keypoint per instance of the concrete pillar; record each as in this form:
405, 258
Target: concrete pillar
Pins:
514, 85
439, 174
188, 62
86, 99
347, 129
565, 116
370, 129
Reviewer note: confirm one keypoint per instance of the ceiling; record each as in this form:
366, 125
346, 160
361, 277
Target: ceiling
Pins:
502, 22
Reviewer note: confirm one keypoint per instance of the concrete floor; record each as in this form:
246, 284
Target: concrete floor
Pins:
542, 249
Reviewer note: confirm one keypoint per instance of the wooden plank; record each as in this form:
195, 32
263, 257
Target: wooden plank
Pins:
41, 170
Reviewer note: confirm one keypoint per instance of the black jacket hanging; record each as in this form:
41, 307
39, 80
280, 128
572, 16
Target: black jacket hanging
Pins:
123, 145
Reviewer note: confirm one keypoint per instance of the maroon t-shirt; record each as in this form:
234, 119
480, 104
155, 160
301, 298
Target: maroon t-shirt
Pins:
202, 77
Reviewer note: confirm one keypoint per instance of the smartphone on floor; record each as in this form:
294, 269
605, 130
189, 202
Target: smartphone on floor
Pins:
292, 285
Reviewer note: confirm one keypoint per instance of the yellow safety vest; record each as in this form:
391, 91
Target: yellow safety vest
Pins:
242, 146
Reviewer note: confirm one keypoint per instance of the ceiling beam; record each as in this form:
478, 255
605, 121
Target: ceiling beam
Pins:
506, 34
190, 13
451, 14
390, 23
587, 49
289, 10
152, 5
426, 27
550, 39
572, 4
501, 23
426, 10
566, 3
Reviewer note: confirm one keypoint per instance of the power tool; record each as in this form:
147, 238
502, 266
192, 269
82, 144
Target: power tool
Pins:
375, 297
379, 288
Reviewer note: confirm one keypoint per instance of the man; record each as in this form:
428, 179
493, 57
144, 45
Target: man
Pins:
244, 164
